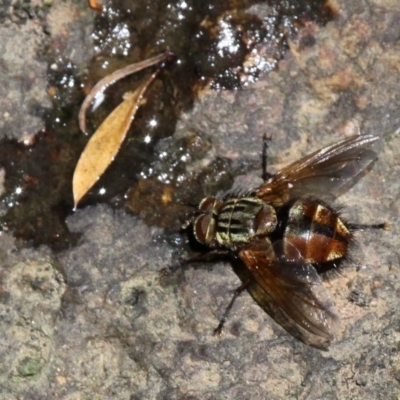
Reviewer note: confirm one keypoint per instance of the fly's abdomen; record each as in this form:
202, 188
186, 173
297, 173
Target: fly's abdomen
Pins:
317, 232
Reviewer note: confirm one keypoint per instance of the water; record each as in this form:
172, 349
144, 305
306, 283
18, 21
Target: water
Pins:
222, 46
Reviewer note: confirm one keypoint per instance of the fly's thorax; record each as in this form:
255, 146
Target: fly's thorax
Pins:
227, 223
240, 220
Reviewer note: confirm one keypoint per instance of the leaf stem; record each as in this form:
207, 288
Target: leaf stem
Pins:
114, 77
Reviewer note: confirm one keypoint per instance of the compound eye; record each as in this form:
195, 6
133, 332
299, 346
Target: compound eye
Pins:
207, 204
201, 227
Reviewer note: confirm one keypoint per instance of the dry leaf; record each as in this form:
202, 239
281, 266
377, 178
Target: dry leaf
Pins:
104, 145
96, 5
114, 77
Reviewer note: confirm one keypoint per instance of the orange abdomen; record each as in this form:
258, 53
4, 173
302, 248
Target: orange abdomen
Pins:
317, 232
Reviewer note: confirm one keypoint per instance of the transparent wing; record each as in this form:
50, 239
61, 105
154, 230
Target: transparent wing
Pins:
295, 289
326, 173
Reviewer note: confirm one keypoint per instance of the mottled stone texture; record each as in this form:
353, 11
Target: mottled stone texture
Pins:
96, 322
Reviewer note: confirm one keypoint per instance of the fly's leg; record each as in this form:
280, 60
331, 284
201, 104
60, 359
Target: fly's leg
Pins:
236, 294
265, 175
202, 257
362, 227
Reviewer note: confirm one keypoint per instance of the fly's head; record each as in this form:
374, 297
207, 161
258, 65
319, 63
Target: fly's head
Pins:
205, 222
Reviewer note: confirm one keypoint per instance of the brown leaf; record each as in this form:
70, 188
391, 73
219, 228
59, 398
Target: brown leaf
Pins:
96, 5
104, 145
114, 77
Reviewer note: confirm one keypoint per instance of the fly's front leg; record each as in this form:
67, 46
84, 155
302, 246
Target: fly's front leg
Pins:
212, 255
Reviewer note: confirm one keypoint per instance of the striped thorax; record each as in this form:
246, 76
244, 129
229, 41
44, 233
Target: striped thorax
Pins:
227, 223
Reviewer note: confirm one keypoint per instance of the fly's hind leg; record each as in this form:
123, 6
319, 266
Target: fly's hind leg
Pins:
236, 294
362, 227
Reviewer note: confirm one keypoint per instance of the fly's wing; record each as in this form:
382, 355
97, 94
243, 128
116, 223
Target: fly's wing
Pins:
326, 173
291, 291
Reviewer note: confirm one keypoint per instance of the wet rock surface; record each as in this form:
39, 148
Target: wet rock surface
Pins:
97, 321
